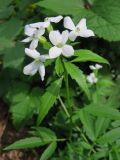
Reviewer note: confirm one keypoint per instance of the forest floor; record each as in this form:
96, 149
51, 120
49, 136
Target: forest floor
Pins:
8, 135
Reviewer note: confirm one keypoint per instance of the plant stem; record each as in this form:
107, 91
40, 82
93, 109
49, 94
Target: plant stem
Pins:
66, 84
64, 107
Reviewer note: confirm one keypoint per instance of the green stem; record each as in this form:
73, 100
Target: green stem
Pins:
66, 84
64, 107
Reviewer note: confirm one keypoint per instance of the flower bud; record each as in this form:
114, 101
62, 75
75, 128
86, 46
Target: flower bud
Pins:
42, 40
49, 28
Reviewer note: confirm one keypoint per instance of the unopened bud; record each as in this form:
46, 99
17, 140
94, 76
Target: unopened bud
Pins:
42, 40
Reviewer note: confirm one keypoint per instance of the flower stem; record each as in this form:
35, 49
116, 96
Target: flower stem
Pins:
66, 84
64, 107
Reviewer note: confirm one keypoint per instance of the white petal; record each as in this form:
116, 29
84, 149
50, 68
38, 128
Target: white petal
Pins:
27, 39
73, 35
55, 19
55, 52
82, 24
34, 44
40, 24
92, 78
92, 67
55, 37
32, 53
29, 31
44, 57
98, 66
65, 35
86, 33
30, 69
67, 50
42, 71
40, 32
68, 23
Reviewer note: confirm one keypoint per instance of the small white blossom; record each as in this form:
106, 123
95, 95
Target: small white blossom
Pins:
60, 46
96, 67
47, 22
92, 78
79, 30
36, 65
33, 35
54, 19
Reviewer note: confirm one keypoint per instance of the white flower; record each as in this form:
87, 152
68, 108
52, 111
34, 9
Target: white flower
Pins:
92, 78
60, 46
54, 19
96, 67
33, 35
79, 30
47, 22
36, 65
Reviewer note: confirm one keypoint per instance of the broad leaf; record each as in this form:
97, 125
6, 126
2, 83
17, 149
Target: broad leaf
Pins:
14, 57
62, 8
11, 28
103, 16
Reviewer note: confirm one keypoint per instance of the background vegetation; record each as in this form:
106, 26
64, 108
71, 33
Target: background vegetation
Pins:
93, 130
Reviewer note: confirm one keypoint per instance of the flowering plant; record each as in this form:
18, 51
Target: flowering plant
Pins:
60, 49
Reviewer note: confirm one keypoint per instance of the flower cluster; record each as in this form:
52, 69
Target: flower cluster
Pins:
35, 32
92, 77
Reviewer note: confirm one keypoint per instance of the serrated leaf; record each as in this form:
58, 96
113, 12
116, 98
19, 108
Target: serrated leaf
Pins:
48, 99
63, 8
49, 151
78, 76
31, 142
110, 136
103, 16
22, 103
87, 55
103, 111
43, 133
87, 122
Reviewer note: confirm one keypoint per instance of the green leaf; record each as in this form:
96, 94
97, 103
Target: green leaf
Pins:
102, 111
49, 151
87, 121
43, 133
11, 28
30, 142
63, 8
22, 103
87, 55
110, 136
58, 66
5, 8
78, 76
103, 16
48, 99
14, 57
5, 43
